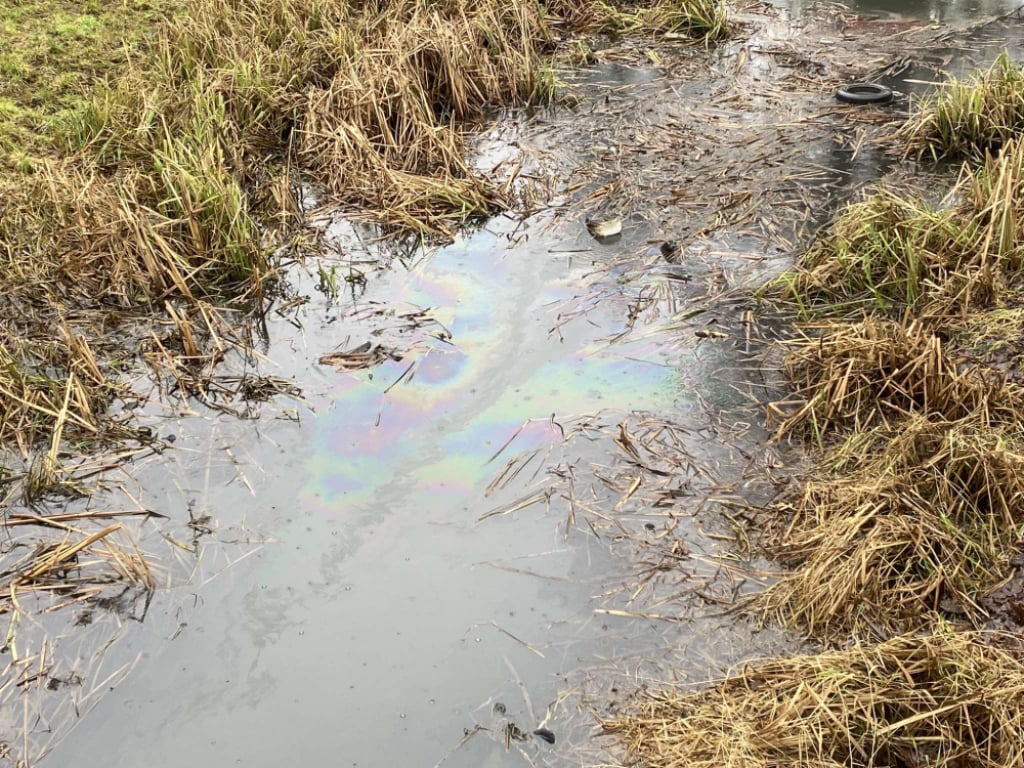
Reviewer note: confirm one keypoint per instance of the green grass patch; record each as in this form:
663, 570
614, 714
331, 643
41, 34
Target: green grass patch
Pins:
891, 253
54, 54
969, 117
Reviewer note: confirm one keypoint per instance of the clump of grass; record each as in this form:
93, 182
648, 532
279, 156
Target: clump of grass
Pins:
79, 568
944, 699
898, 520
882, 254
75, 237
380, 133
704, 20
970, 117
890, 253
856, 375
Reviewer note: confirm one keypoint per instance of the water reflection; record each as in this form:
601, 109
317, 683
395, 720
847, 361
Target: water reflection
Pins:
932, 10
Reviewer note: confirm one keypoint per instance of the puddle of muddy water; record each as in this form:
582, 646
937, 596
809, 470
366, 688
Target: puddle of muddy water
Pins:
949, 11
386, 618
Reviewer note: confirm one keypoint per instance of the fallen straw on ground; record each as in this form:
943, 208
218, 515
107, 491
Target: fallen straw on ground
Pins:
898, 524
944, 699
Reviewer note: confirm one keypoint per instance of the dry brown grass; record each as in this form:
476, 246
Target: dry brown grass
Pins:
944, 699
385, 133
917, 509
700, 19
856, 375
900, 522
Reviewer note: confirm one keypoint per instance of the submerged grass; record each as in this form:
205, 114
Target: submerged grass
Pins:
970, 117
943, 699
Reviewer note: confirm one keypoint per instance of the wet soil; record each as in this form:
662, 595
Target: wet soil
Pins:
514, 481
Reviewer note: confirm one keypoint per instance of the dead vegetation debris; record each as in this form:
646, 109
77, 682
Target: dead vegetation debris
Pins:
852, 376
944, 699
914, 518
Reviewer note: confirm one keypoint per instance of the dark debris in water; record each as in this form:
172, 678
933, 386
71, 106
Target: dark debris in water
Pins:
545, 734
361, 358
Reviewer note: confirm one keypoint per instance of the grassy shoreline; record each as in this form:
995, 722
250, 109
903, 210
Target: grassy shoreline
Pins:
906, 369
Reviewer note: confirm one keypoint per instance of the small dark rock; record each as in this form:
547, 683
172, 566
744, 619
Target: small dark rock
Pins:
498, 708
671, 251
545, 734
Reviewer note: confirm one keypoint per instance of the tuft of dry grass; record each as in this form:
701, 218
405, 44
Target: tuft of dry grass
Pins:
970, 117
703, 20
944, 699
898, 522
856, 375
384, 132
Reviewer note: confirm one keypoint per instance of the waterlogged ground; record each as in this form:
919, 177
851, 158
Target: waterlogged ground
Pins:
511, 490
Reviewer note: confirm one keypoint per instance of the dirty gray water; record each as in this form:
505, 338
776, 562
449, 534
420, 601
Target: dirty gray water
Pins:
386, 617
412, 544
949, 11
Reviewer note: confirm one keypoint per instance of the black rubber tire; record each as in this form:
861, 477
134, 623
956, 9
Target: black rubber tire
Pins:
864, 93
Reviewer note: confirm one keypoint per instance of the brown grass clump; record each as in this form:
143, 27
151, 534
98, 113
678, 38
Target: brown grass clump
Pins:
856, 375
700, 19
383, 133
77, 567
75, 237
897, 521
944, 699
